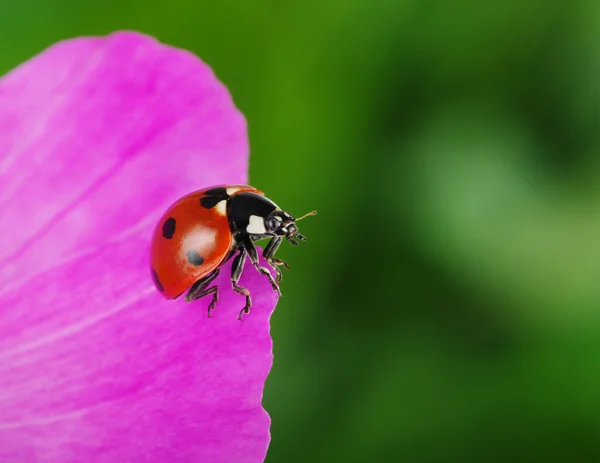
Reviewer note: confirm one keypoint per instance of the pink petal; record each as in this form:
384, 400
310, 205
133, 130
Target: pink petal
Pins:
99, 135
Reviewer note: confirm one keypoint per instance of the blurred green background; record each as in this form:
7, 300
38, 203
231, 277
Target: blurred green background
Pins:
447, 304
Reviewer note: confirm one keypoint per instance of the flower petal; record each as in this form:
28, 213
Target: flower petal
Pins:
99, 135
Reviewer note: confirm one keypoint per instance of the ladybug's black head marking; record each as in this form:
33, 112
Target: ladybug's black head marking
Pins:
259, 217
247, 211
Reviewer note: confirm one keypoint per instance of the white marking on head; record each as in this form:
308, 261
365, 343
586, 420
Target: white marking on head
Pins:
284, 229
278, 218
232, 189
256, 226
221, 207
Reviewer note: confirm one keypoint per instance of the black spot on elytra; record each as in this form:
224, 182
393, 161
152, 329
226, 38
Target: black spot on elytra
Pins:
169, 228
208, 202
213, 196
194, 258
157, 282
218, 191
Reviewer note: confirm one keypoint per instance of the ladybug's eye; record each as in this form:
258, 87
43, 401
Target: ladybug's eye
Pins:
273, 224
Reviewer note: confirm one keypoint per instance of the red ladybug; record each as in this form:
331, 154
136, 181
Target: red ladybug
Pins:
206, 228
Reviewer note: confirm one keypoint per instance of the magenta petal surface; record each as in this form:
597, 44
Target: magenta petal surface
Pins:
97, 137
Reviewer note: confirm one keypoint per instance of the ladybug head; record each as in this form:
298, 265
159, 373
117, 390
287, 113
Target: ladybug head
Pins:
283, 224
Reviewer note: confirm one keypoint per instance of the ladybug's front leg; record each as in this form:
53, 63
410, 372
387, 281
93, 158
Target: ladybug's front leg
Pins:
269, 255
253, 255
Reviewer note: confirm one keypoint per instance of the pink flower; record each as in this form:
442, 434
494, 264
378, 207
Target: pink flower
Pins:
98, 137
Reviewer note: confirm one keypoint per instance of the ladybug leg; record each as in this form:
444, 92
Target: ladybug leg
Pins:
253, 255
269, 255
236, 273
199, 290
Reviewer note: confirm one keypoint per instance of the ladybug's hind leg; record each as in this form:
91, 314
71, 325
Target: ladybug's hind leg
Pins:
236, 273
199, 290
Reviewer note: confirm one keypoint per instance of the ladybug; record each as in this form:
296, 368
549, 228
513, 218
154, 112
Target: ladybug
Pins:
200, 232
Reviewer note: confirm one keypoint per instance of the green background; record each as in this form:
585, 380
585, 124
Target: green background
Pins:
447, 304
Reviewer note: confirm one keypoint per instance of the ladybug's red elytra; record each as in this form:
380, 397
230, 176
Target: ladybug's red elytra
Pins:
204, 229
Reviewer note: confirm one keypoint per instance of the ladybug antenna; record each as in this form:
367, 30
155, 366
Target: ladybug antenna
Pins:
293, 232
306, 215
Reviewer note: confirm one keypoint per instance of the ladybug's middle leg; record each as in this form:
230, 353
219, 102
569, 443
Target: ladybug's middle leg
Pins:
199, 290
